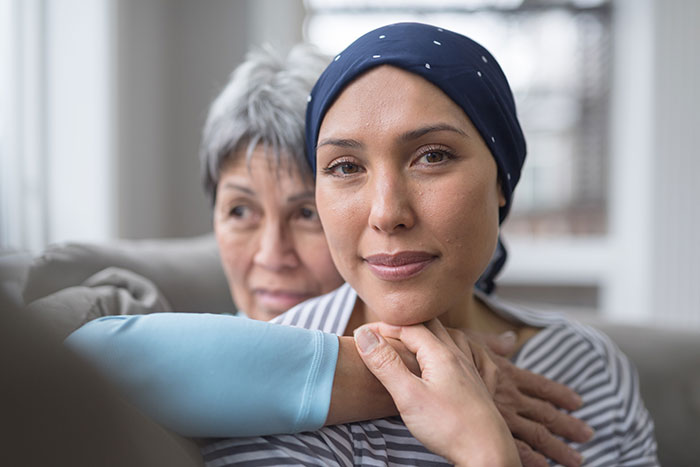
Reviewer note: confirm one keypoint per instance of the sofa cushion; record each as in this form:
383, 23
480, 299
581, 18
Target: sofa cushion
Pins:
186, 271
668, 363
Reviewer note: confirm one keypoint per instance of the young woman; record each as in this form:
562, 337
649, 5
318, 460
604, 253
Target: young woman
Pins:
416, 147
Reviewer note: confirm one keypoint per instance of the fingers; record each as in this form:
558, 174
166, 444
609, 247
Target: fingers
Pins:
541, 408
385, 363
436, 327
556, 421
386, 330
543, 388
413, 337
485, 365
528, 457
542, 441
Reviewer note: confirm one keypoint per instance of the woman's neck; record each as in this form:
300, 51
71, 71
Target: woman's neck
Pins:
473, 315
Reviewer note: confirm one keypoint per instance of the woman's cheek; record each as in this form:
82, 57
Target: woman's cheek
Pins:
340, 219
235, 250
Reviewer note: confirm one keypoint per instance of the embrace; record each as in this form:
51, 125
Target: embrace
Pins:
363, 215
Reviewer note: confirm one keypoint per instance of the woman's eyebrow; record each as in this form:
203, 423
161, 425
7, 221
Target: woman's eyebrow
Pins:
407, 136
301, 196
234, 186
340, 142
422, 131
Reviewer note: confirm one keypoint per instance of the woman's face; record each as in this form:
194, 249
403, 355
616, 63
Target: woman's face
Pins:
408, 195
270, 238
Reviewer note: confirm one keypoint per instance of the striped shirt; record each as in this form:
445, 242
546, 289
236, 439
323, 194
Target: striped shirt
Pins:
573, 354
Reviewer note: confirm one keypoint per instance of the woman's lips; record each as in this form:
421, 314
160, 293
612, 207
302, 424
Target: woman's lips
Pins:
399, 266
280, 299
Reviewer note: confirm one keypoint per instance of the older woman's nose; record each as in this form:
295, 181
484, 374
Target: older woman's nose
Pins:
391, 209
276, 249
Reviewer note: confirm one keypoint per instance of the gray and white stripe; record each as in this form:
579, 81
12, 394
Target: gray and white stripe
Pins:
571, 353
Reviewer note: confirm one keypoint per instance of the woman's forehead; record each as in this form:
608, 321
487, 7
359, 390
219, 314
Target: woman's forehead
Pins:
389, 98
265, 163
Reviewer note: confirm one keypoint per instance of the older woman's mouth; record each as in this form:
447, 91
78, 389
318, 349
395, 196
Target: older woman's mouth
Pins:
280, 299
399, 266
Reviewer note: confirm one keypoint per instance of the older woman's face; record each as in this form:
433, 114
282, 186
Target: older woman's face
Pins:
270, 238
408, 195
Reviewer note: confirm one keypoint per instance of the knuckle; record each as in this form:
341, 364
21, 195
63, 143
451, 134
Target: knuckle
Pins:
547, 389
449, 358
528, 457
454, 333
549, 414
384, 360
463, 343
506, 368
540, 436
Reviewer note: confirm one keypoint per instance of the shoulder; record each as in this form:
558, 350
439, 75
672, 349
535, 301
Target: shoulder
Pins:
563, 349
573, 353
590, 363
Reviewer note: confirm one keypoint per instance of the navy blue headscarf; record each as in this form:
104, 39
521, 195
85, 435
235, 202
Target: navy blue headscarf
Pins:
464, 70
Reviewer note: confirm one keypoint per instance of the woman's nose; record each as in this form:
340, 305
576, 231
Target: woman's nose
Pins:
391, 209
276, 248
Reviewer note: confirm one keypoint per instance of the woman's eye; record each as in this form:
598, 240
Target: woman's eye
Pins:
347, 168
238, 211
343, 168
434, 157
308, 213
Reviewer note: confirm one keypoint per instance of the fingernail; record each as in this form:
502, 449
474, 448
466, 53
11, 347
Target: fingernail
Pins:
508, 338
579, 458
589, 433
366, 339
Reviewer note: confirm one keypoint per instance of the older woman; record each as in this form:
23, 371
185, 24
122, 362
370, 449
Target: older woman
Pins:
275, 256
270, 239
417, 149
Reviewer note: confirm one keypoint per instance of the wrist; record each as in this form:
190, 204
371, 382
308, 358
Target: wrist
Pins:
356, 395
491, 446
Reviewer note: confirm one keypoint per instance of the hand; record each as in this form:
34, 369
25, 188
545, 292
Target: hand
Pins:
528, 402
448, 407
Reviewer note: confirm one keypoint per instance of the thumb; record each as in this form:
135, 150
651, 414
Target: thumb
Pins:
383, 361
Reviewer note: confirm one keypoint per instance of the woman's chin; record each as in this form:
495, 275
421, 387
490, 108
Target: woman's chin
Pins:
405, 308
264, 314
412, 312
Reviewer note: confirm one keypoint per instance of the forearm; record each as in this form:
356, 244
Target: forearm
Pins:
213, 375
357, 395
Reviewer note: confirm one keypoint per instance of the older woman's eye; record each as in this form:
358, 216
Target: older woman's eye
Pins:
308, 213
238, 211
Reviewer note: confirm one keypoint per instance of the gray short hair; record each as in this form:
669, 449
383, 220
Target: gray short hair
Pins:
264, 102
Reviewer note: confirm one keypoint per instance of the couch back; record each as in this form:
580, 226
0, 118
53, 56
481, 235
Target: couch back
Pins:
668, 362
189, 274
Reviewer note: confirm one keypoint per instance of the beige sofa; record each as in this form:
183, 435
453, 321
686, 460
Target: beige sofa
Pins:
188, 273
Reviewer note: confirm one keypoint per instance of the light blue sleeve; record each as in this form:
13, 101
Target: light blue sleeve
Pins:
205, 375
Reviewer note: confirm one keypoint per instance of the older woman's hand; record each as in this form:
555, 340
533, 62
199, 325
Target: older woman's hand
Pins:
528, 402
448, 407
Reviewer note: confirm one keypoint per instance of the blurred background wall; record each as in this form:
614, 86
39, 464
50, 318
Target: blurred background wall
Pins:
102, 105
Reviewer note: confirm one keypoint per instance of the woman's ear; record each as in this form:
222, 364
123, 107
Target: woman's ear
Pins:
501, 196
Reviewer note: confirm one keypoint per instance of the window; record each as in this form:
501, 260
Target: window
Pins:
22, 126
55, 111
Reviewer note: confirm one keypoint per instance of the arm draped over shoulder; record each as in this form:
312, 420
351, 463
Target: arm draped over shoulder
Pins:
206, 375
